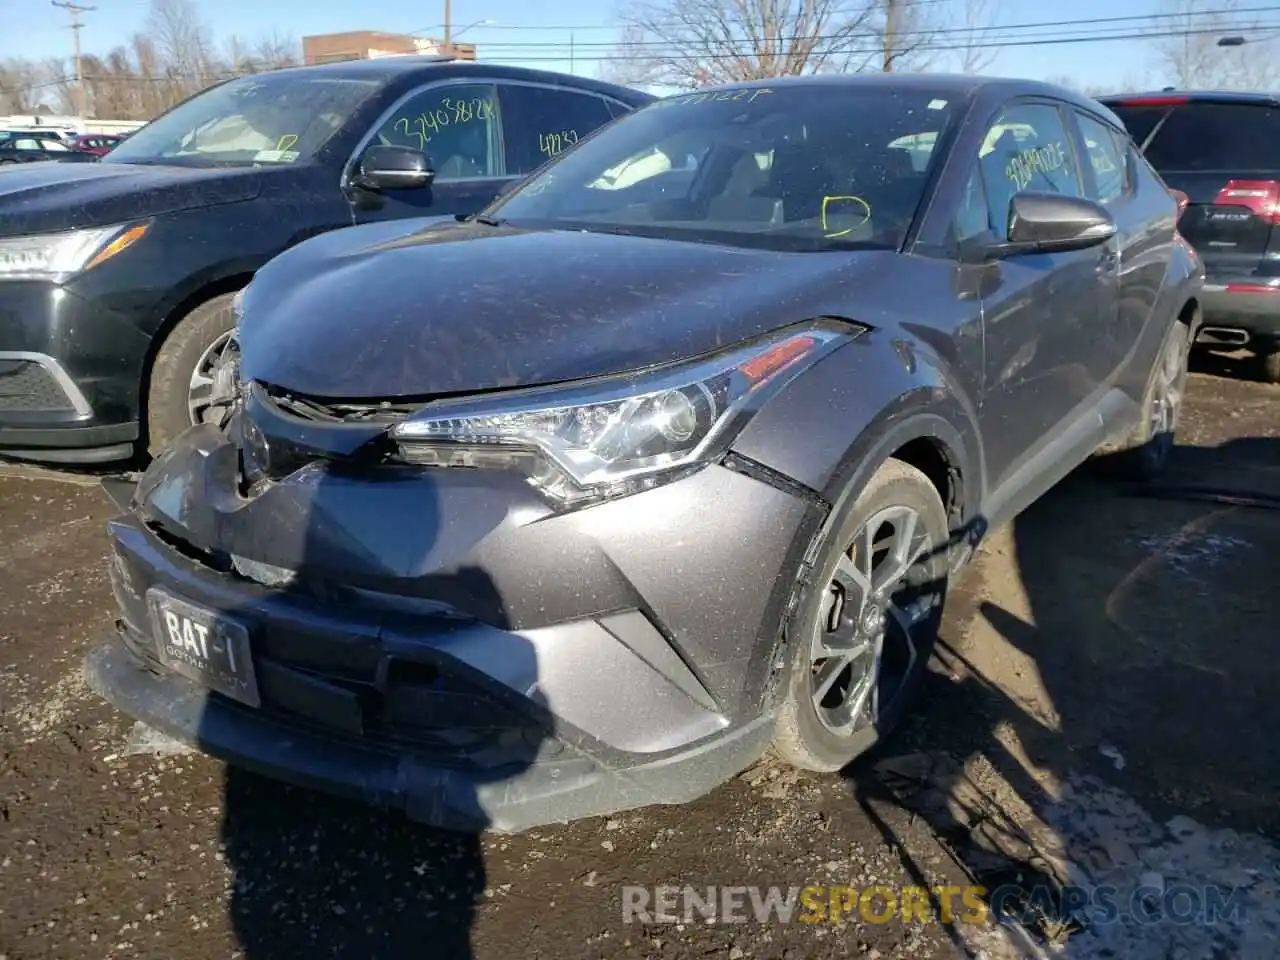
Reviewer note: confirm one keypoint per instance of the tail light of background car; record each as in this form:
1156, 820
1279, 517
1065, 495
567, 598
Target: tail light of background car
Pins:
1261, 197
1160, 100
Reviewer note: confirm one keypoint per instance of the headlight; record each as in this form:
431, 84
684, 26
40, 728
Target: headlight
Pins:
57, 256
616, 435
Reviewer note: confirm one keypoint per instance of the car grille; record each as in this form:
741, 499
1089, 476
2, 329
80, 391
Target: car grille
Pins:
26, 385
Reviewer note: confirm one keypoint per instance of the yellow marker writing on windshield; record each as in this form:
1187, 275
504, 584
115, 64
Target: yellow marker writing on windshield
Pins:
287, 141
827, 201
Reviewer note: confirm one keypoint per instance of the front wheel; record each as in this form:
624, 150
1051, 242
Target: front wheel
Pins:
181, 388
866, 623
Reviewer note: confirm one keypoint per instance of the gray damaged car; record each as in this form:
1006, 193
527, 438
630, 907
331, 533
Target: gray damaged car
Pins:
663, 460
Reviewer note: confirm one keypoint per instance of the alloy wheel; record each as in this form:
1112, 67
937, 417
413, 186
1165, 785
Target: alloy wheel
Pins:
200, 389
1166, 398
864, 644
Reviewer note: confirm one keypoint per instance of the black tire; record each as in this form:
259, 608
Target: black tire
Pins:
1269, 363
802, 736
168, 413
1144, 456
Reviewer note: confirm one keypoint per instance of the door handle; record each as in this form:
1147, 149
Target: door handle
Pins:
1108, 260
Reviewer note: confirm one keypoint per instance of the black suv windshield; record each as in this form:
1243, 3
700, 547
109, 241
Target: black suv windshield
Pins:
265, 119
798, 167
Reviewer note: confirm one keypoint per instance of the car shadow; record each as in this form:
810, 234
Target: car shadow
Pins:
317, 875
1131, 653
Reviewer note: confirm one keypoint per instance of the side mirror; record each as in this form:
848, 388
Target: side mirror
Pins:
1050, 223
393, 168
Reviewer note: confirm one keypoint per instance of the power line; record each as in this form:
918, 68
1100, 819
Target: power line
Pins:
583, 27
1010, 30
580, 28
980, 45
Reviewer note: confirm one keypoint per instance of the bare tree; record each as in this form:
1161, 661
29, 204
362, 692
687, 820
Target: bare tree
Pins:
275, 51
630, 64
905, 33
58, 84
184, 43
21, 86
691, 43
973, 50
1192, 58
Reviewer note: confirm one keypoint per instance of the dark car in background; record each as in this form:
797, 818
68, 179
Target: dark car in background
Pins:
1223, 151
34, 148
117, 276
666, 456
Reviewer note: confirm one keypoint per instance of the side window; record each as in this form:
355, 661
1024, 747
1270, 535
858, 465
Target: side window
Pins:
1106, 157
456, 125
542, 122
1026, 149
26, 143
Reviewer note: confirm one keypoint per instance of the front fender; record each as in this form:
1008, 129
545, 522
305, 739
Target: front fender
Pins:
831, 428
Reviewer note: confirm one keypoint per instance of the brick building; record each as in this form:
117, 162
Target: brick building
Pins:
371, 44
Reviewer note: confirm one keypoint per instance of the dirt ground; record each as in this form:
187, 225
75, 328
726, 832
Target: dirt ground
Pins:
1102, 711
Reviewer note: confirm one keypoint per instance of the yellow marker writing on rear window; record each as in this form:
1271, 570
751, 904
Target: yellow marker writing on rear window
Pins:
743, 95
552, 144
287, 141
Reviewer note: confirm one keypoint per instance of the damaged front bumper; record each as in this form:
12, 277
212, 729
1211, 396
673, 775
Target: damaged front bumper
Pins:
440, 642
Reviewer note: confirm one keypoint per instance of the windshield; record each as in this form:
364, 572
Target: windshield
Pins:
789, 167
264, 119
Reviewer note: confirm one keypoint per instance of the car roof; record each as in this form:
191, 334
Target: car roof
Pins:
1171, 97
410, 66
993, 89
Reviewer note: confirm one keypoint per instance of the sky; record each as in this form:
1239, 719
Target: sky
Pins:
539, 33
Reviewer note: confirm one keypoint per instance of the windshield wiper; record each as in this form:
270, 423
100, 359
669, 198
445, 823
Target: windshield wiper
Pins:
480, 218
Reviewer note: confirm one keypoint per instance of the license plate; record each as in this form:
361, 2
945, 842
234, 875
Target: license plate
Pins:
203, 646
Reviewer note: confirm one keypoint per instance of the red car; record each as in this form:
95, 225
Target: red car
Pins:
95, 143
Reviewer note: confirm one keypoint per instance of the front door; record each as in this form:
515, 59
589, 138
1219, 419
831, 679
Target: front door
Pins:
457, 126
1041, 311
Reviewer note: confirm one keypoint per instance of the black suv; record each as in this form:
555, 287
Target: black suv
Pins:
1223, 151
118, 277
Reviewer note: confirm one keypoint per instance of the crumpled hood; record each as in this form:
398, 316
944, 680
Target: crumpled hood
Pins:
407, 310
51, 197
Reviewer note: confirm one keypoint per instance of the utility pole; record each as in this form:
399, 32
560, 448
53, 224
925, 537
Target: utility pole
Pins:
448, 27
74, 10
890, 33
571, 64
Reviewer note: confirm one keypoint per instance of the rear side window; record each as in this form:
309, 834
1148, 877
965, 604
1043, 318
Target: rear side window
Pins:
1106, 155
1217, 136
539, 123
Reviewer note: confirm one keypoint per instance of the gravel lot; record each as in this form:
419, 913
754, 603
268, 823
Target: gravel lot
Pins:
1102, 710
